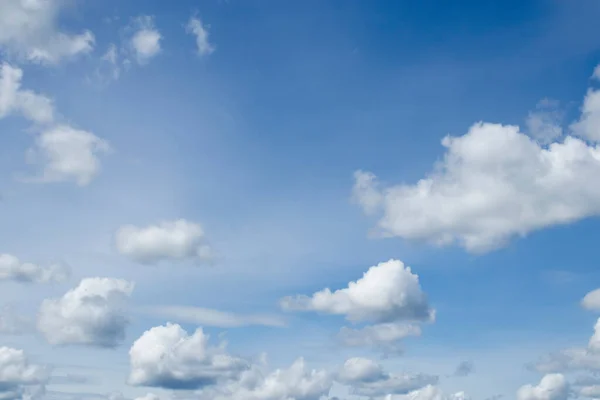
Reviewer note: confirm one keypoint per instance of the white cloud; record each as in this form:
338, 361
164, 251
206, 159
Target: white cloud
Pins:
67, 154
210, 317
148, 396
145, 42
166, 356
387, 292
591, 301
384, 337
13, 269
367, 378
544, 124
28, 30
14, 100
90, 314
588, 125
493, 183
17, 373
179, 239
195, 27
296, 382
551, 387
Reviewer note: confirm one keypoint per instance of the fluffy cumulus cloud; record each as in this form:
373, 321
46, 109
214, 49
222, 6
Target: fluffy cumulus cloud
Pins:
196, 28
588, 125
492, 184
29, 31
176, 240
18, 377
13, 269
387, 292
366, 378
296, 382
17, 101
551, 387
91, 314
67, 154
145, 41
167, 356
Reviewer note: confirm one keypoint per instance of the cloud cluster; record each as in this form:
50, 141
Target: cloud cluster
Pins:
29, 31
17, 374
551, 387
13, 269
176, 240
91, 314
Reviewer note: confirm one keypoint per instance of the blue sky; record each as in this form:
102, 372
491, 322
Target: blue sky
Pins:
249, 131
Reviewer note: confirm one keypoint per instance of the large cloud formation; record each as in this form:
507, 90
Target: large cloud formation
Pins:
494, 183
91, 314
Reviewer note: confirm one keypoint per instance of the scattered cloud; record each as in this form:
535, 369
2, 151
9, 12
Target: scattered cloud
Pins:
91, 314
29, 31
67, 154
167, 356
551, 387
384, 337
145, 42
15, 100
545, 123
196, 28
588, 125
429, 392
176, 240
210, 317
13, 269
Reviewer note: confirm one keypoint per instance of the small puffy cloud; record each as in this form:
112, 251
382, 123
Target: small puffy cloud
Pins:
67, 154
167, 356
588, 125
15, 100
296, 382
29, 31
145, 42
465, 368
544, 124
366, 378
383, 337
494, 183
551, 387
196, 28
148, 396
210, 317
13, 269
17, 374
91, 314
387, 292
591, 301
176, 240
